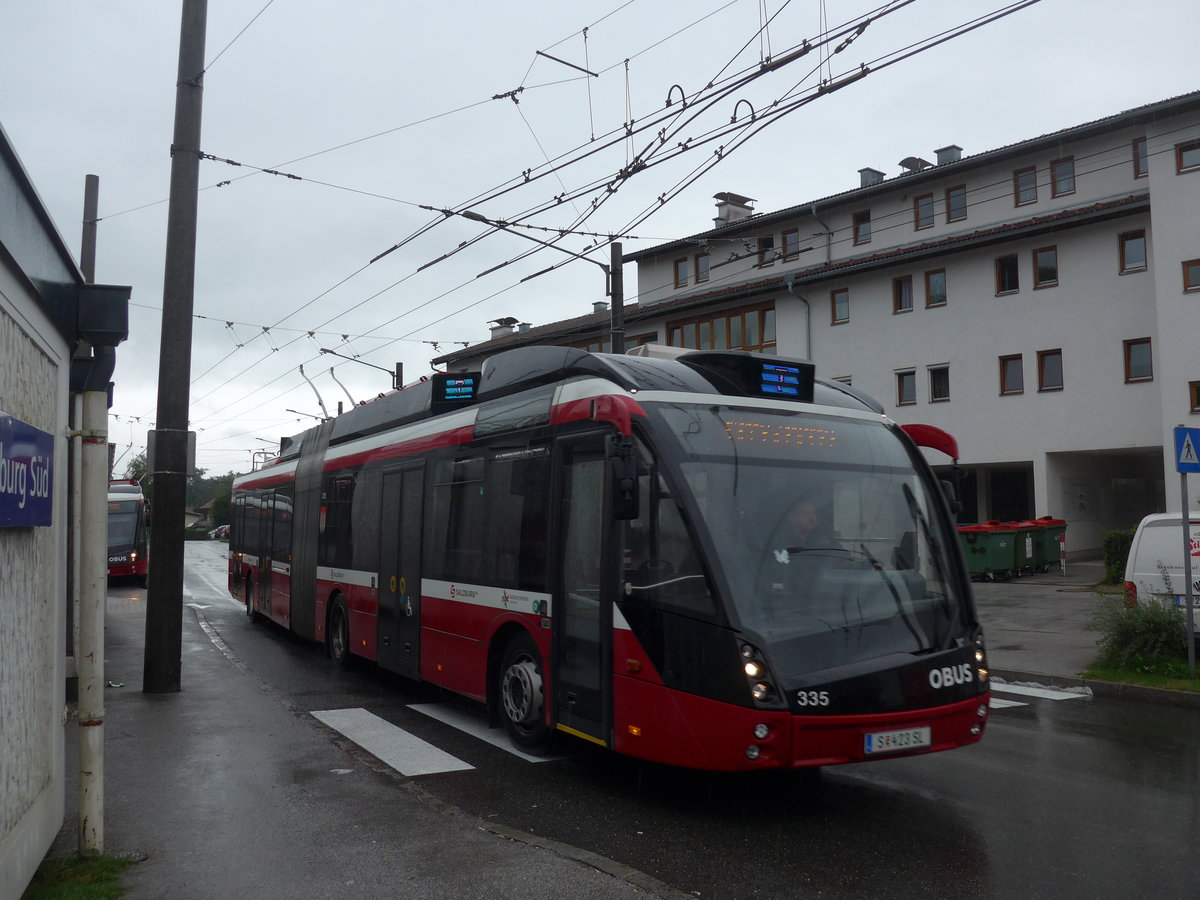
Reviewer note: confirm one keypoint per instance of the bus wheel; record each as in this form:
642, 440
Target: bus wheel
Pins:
339, 634
522, 697
248, 590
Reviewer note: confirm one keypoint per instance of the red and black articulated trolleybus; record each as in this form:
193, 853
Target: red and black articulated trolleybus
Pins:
713, 561
128, 531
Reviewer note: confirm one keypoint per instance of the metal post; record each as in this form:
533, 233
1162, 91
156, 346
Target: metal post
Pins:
93, 590
1187, 574
617, 305
164, 599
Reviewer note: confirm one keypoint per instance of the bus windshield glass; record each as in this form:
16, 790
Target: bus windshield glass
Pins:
122, 524
828, 539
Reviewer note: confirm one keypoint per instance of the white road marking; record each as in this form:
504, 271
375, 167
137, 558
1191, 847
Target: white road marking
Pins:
1000, 703
1044, 693
477, 728
404, 752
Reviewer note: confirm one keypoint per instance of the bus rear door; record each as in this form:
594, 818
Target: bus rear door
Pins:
400, 527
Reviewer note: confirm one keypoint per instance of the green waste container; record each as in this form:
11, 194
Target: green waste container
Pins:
1024, 546
989, 549
1046, 541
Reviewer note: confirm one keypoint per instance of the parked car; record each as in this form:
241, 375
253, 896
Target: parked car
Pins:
1154, 569
220, 533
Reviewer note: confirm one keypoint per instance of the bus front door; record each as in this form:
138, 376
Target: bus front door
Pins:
399, 619
582, 605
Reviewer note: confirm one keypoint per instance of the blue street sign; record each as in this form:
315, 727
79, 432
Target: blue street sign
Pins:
26, 460
1187, 449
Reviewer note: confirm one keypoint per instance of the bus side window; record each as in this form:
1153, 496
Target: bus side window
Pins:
457, 521
518, 484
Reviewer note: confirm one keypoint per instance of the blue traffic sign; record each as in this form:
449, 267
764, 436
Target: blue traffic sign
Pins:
1187, 449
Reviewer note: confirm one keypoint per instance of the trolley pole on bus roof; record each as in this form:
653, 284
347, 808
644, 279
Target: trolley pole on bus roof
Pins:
164, 599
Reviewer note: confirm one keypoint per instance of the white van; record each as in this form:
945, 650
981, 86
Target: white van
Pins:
1154, 569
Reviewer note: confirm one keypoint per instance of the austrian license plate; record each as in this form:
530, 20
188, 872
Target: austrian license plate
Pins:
896, 741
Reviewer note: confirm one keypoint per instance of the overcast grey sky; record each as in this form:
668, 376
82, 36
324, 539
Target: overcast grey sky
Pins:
405, 93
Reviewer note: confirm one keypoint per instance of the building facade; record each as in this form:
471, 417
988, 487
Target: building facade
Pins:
57, 335
1040, 301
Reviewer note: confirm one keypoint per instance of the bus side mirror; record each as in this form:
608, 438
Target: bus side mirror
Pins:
622, 464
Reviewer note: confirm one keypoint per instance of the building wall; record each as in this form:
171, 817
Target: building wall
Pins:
1099, 451
34, 364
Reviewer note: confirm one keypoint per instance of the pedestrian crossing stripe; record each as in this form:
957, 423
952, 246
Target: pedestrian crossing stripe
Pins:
404, 752
1044, 693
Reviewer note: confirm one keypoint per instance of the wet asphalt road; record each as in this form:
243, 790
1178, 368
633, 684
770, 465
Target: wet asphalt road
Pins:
1063, 798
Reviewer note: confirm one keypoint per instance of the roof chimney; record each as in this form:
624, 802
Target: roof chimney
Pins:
523, 327
868, 177
950, 154
599, 306
503, 327
732, 208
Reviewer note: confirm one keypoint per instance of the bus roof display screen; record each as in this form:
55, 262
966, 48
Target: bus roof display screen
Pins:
780, 381
452, 389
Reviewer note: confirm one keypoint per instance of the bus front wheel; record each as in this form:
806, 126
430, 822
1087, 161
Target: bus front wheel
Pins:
339, 634
248, 589
522, 695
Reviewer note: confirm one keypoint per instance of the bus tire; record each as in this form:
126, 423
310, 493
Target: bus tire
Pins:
520, 692
248, 591
338, 633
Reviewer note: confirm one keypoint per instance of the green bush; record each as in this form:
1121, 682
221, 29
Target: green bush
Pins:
1116, 552
1148, 637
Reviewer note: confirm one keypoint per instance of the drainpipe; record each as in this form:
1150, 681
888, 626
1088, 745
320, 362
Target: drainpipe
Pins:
93, 588
790, 281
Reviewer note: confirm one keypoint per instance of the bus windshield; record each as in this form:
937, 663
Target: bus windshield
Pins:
827, 537
122, 524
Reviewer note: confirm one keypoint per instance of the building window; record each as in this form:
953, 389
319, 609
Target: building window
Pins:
1050, 370
1025, 186
1138, 362
935, 287
1006, 275
766, 250
923, 211
902, 298
956, 203
702, 261
1012, 375
906, 388
1133, 251
839, 303
791, 244
1045, 267
1141, 161
751, 328
681, 267
1187, 156
862, 227
939, 384
1194, 395
1191, 275
1062, 176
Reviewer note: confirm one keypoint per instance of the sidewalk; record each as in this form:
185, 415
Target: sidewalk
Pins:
224, 792
1039, 627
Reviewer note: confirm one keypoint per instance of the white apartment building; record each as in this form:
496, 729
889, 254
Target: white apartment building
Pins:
1040, 301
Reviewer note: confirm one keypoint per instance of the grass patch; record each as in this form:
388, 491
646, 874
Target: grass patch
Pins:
1144, 679
73, 878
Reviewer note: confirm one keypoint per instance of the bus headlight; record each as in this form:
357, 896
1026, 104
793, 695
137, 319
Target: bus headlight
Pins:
761, 691
754, 669
761, 730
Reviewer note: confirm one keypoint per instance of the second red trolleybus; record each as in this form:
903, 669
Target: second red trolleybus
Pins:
623, 548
